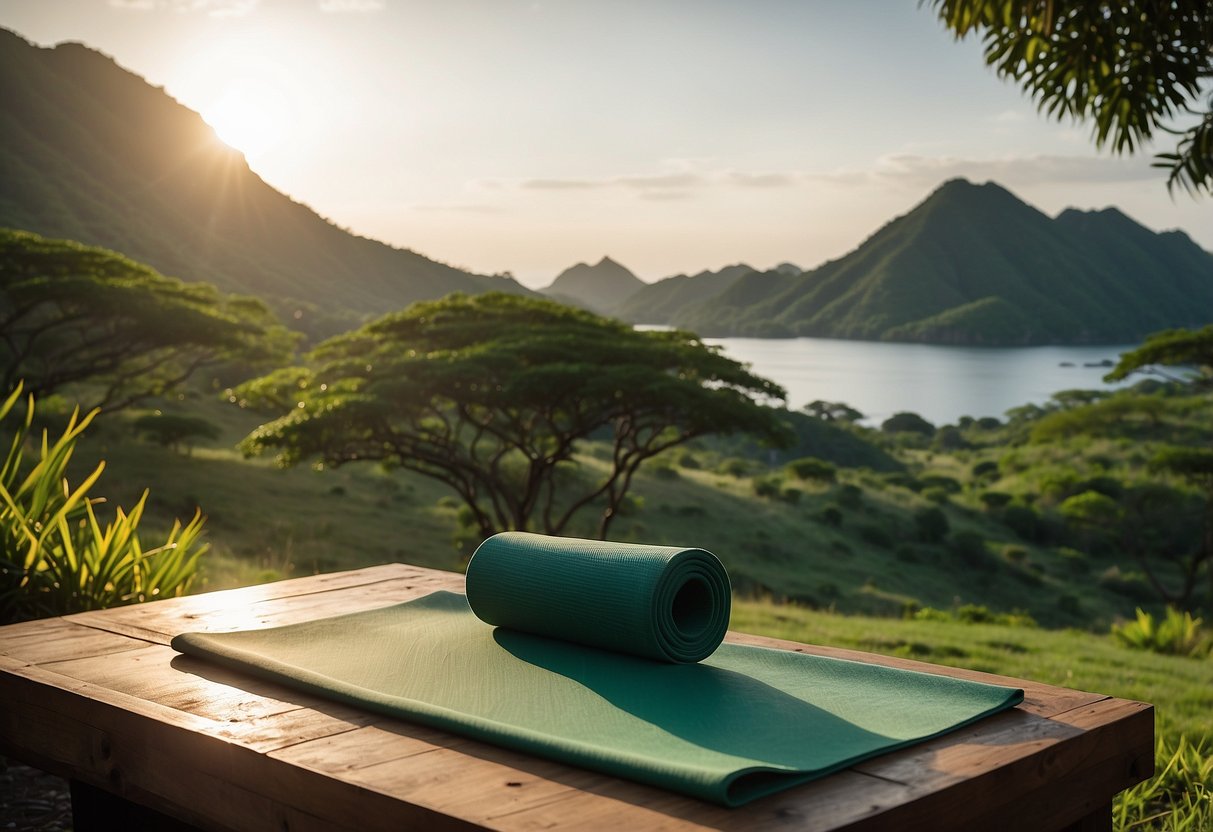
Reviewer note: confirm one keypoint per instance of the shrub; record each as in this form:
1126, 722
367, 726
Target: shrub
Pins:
1022, 520
767, 487
665, 472
734, 467
876, 535
936, 494
689, 461
850, 495
987, 468
994, 500
812, 468
906, 422
790, 495
63, 559
1014, 554
970, 547
948, 484
1178, 634
931, 524
831, 516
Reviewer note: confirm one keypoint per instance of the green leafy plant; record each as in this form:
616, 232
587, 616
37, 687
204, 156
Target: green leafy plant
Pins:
1180, 794
56, 555
1177, 634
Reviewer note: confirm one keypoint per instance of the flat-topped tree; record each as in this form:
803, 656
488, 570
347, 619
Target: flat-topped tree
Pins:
494, 394
71, 313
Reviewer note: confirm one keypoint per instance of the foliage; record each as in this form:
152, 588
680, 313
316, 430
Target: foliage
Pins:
832, 411
1179, 797
71, 314
1172, 348
974, 614
493, 394
1133, 71
56, 557
812, 468
906, 422
1178, 634
175, 430
931, 524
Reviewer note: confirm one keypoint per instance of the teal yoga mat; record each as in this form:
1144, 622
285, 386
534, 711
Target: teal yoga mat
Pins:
743, 723
660, 602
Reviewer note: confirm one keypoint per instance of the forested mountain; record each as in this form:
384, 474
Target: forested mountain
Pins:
599, 288
663, 301
92, 152
973, 264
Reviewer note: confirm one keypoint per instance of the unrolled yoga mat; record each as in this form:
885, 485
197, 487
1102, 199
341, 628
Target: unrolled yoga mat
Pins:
741, 724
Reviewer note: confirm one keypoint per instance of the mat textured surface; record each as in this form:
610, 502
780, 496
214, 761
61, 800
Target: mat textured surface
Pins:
743, 723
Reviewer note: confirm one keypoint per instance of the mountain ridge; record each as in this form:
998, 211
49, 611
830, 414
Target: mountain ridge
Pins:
90, 151
974, 264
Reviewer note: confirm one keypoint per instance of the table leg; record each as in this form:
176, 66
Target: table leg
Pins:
96, 809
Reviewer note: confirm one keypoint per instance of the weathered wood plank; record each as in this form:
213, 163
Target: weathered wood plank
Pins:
54, 639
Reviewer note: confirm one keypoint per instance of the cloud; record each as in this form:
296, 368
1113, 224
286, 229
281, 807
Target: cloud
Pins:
927, 171
211, 8
354, 6
1008, 117
676, 184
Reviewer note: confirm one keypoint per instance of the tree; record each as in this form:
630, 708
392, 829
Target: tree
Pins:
1194, 465
494, 394
70, 313
174, 430
1170, 348
1133, 69
906, 422
832, 411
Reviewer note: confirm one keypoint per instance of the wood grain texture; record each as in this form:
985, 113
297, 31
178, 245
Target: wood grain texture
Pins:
100, 697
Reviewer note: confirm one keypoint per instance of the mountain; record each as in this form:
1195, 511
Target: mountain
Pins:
973, 264
599, 288
665, 300
92, 152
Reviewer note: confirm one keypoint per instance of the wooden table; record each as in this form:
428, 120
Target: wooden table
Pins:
100, 698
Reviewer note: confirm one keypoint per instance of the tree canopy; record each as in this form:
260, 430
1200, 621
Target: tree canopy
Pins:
71, 313
1170, 348
1135, 70
494, 394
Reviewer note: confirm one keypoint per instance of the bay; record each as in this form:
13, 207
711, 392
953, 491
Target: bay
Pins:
940, 383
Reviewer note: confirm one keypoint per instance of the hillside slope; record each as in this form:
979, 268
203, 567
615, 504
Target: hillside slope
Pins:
973, 264
92, 152
599, 288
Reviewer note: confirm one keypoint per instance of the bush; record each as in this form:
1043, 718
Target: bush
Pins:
767, 487
790, 495
936, 495
994, 500
850, 495
1178, 634
63, 560
174, 431
689, 461
931, 524
1022, 520
970, 548
949, 484
876, 535
982, 470
812, 468
905, 422
831, 516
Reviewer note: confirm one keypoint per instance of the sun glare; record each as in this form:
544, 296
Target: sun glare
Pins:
252, 117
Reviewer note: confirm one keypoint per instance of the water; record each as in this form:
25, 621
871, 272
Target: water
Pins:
939, 383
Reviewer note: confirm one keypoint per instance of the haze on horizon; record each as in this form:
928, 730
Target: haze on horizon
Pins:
673, 137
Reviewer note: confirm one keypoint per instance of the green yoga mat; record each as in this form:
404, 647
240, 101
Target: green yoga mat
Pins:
660, 602
741, 724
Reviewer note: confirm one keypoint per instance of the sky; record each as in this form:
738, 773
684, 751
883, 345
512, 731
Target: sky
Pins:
524, 137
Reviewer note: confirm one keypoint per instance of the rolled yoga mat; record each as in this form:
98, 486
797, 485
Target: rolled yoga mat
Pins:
660, 602
743, 723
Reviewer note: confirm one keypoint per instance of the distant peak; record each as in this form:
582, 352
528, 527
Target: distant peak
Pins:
606, 261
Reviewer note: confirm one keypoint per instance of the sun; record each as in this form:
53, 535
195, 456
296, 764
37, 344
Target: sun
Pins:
252, 117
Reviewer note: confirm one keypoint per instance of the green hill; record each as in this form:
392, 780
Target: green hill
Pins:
663, 301
92, 152
973, 264
598, 288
